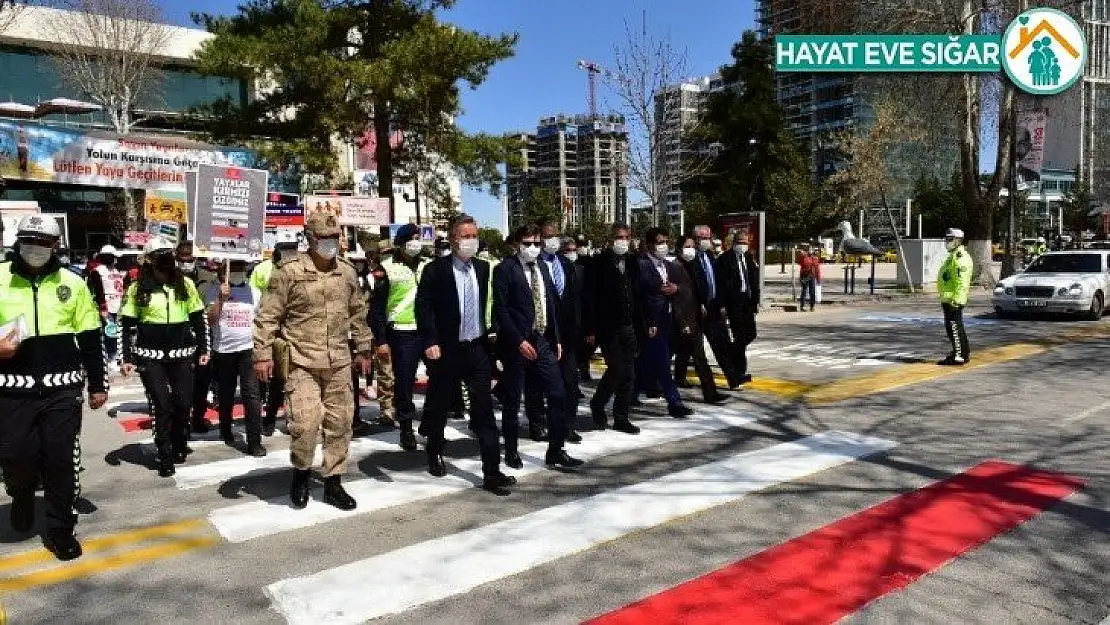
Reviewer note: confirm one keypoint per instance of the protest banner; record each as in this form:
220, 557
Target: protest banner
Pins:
231, 211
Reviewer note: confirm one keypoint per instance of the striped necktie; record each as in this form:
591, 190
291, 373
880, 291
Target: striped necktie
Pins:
540, 324
470, 326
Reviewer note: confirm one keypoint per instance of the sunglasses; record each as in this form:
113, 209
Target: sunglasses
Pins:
530, 244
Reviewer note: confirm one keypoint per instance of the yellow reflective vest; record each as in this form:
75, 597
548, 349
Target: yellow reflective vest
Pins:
954, 277
166, 327
400, 304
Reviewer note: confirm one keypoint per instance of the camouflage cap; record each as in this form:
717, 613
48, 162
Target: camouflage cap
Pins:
322, 225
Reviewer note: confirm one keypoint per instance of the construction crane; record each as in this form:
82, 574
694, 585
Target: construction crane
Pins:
593, 69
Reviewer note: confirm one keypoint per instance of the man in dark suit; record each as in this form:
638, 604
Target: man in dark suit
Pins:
615, 322
451, 303
713, 323
526, 305
737, 276
658, 285
577, 252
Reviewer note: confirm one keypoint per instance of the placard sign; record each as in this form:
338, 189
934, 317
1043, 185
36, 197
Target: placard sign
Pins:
231, 212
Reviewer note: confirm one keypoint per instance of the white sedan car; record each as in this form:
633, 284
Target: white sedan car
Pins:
1068, 282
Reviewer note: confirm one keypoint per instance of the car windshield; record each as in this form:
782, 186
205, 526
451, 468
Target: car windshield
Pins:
1066, 263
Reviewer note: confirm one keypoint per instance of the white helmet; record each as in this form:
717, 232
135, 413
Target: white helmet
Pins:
38, 226
954, 233
108, 250
1040, 239
158, 244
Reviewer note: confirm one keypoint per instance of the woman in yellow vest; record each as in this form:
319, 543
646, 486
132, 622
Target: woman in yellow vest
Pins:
164, 328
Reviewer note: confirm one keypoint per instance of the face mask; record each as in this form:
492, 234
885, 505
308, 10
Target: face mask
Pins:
551, 245
705, 245
571, 256
445, 252
327, 248
35, 255
529, 253
740, 249
661, 251
237, 277
187, 267
412, 248
64, 260
620, 247
688, 253
951, 244
468, 248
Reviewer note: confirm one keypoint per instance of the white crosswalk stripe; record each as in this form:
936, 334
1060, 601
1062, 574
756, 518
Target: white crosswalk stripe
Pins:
255, 519
454, 564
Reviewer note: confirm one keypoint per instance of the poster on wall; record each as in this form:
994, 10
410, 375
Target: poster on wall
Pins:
231, 212
350, 211
284, 209
30, 151
750, 228
282, 234
160, 209
1029, 148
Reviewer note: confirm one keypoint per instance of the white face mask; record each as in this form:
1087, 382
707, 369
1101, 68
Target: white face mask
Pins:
661, 251
237, 277
620, 247
740, 249
529, 253
445, 252
551, 245
187, 267
705, 245
327, 248
571, 256
35, 255
688, 253
951, 244
412, 248
468, 248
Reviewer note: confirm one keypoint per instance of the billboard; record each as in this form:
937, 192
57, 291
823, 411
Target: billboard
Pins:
231, 212
349, 210
1029, 148
30, 151
284, 209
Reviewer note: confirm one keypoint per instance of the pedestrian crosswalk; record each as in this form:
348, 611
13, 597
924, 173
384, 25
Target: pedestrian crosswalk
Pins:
837, 356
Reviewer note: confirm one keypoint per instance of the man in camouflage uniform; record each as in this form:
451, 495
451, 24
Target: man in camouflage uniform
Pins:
383, 367
314, 306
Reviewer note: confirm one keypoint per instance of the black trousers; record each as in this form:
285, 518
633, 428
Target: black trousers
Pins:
274, 392
169, 388
540, 375
957, 336
716, 333
406, 352
237, 369
742, 323
619, 382
809, 287
202, 383
692, 347
40, 435
468, 363
572, 392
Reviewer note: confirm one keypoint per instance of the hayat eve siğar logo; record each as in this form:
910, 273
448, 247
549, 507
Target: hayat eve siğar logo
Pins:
1044, 51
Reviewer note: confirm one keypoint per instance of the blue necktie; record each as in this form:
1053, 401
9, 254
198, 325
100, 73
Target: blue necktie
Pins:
470, 307
709, 276
557, 274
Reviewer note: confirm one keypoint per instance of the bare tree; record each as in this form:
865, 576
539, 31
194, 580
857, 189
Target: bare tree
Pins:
663, 152
108, 51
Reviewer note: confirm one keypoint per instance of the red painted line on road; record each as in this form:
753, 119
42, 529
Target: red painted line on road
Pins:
833, 571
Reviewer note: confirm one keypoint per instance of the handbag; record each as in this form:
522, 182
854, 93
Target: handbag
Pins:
817, 293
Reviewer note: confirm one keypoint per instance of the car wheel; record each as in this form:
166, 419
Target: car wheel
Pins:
1097, 306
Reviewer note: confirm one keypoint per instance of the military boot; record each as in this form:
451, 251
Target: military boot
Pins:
335, 495
408, 437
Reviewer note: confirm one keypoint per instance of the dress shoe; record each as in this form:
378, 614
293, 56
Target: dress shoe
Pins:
335, 495
561, 459
360, 428
268, 427
63, 544
498, 484
624, 425
574, 437
165, 467
200, 426
227, 436
408, 438
298, 490
952, 362
179, 457
679, 411
537, 434
23, 513
436, 466
715, 398
256, 450
513, 461
601, 420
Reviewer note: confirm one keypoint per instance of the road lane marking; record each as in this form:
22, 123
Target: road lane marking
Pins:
256, 519
1093, 410
861, 557
454, 564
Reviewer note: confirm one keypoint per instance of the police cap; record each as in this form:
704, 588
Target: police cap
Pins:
38, 226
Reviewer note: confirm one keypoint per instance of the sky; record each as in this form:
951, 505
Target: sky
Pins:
542, 79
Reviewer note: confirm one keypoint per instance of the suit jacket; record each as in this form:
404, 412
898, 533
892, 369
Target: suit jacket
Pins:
437, 302
687, 300
513, 306
570, 303
603, 285
657, 306
730, 295
700, 281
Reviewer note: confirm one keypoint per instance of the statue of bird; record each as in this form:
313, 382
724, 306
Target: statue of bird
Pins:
850, 244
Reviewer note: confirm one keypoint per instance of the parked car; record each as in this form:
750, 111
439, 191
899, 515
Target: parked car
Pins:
1068, 282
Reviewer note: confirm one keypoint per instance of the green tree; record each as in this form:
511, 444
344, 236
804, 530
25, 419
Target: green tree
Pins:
595, 227
641, 223
541, 205
331, 68
941, 206
1077, 208
493, 239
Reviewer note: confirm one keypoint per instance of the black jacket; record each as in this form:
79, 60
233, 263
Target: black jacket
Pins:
603, 286
513, 306
437, 302
687, 300
730, 295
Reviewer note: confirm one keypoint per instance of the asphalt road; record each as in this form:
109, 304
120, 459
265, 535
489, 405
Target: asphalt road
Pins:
847, 412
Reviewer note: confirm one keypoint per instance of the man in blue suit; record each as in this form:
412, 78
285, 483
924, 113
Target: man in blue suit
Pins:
658, 283
525, 305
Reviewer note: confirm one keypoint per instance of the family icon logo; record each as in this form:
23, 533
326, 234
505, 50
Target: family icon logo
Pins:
1045, 51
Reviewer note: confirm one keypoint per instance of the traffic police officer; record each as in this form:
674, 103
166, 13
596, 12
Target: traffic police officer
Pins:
314, 303
165, 333
51, 332
953, 285
383, 367
393, 315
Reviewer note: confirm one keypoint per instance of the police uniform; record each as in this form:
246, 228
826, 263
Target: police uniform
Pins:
61, 348
393, 315
318, 313
165, 332
954, 286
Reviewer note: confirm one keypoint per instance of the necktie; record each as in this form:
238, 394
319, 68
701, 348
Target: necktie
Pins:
557, 274
540, 324
743, 274
470, 307
709, 276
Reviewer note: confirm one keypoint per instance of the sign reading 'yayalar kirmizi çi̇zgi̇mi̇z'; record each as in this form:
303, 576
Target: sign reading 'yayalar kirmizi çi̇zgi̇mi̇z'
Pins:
1043, 51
